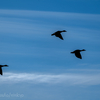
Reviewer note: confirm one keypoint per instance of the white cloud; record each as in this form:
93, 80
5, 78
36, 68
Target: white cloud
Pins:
68, 79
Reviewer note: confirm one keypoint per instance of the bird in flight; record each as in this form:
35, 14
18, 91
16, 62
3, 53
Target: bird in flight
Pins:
1, 68
77, 53
58, 34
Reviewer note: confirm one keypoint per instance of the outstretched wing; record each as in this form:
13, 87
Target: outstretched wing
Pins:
60, 36
78, 55
55, 33
0, 70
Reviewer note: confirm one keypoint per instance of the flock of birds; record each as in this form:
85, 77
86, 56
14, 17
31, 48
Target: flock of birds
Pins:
57, 34
76, 52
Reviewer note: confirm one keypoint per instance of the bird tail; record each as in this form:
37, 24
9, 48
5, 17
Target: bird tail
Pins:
71, 52
52, 34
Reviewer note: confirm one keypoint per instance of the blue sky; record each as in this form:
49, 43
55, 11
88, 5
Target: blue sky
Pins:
41, 66
77, 6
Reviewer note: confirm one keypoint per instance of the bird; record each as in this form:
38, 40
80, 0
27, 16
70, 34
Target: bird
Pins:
77, 53
1, 68
58, 34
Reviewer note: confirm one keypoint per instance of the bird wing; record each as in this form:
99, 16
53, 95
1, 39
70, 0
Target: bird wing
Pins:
60, 36
55, 33
78, 55
0, 70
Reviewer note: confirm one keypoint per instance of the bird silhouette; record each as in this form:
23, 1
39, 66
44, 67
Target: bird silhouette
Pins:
58, 34
1, 68
77, 53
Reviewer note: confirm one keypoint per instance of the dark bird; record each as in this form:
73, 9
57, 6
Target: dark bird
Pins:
77, 53
58, 34
1, 68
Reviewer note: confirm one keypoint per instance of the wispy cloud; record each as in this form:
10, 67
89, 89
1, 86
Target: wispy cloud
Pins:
29, 13
68, 79
26, 23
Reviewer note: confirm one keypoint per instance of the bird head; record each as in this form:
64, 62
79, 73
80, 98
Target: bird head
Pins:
83, 50
64, 31
6, 65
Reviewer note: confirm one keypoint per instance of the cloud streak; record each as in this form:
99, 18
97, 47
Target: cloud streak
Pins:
26, 21
68, 79
46, 14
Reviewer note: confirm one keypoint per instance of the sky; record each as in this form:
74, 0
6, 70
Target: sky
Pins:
41, 66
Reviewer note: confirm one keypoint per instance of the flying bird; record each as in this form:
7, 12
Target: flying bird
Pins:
1, 68
58, 34
77, 53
